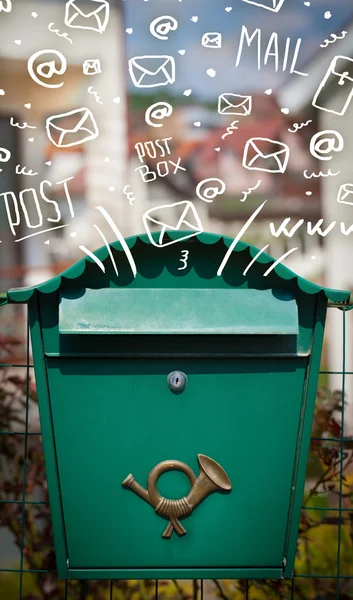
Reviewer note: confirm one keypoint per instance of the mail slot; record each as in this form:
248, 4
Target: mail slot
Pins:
170, 402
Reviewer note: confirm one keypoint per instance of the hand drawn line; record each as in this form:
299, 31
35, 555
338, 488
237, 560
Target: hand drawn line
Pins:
279, 260
320, 174
90, 90
40, 232
184, 259
251, 189
22, 171
120, 238
93, 256
230, 129
108, 248
238, 237
335, 38
24, 126
297, 126
255, 259
64, 35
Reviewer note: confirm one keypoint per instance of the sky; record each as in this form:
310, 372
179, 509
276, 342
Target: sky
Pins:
294, 20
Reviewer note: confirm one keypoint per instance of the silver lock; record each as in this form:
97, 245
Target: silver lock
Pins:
177, 381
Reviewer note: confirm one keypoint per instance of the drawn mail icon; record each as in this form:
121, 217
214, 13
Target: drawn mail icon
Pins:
92, 66
273, 5
345, 194
212, 40
180, 216
258, 157
72, 129
234, 104
91, 14
152, 70
339, 78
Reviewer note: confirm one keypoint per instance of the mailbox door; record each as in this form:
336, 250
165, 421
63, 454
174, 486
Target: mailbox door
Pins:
114, 416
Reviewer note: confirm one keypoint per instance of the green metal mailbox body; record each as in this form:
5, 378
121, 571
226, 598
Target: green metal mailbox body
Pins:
103, 347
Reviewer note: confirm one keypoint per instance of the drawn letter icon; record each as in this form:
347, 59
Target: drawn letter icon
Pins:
180, 216
338, 79
234, 104
273, 5
212, 40
263, 154
152, 71
72, 129
345, 194
92, 67
91, 14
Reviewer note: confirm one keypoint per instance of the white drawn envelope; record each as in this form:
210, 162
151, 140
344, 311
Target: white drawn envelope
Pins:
64, 135
234, 104
92, 66
256, 153
167, 217
91, 14
152, 70
273, 5
345, 194
212, 40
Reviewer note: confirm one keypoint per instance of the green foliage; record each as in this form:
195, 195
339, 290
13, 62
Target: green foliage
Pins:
318, 551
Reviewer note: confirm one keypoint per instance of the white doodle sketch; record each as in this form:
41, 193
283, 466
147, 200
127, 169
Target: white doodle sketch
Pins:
232, 127
161, 26
207, 192
92, 66
234, 104
23, 171
253, 261
83, 130
23, 126
46, 69
326, 142
158, 111
257, 157
14, 206
91, 14
345, 194
184, 259
339, 73
5, 6
162, 168
57, 32
154, 148
272, 50
250, 189
212, 39
334, 39
188, 223
90, 90
298, 126
279, 261
273, 5
238, 238
130, 195
152, 70
320, 174
311, 228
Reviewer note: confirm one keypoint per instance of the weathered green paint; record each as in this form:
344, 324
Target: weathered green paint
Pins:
106, 409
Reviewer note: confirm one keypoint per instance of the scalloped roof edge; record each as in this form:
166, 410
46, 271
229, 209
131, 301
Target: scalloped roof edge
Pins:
23, 294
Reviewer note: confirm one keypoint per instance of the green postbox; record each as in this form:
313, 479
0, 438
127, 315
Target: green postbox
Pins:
176, 408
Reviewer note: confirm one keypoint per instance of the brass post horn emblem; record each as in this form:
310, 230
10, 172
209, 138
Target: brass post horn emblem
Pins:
212, 478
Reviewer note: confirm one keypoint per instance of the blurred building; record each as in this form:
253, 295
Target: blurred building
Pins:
298, 96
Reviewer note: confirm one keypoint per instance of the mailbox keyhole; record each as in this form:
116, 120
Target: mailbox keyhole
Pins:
177, 381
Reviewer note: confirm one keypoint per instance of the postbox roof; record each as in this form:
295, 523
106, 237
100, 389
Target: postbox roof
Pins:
22, 295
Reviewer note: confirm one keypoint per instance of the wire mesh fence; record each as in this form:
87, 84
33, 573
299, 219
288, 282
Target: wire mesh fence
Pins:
324, 564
